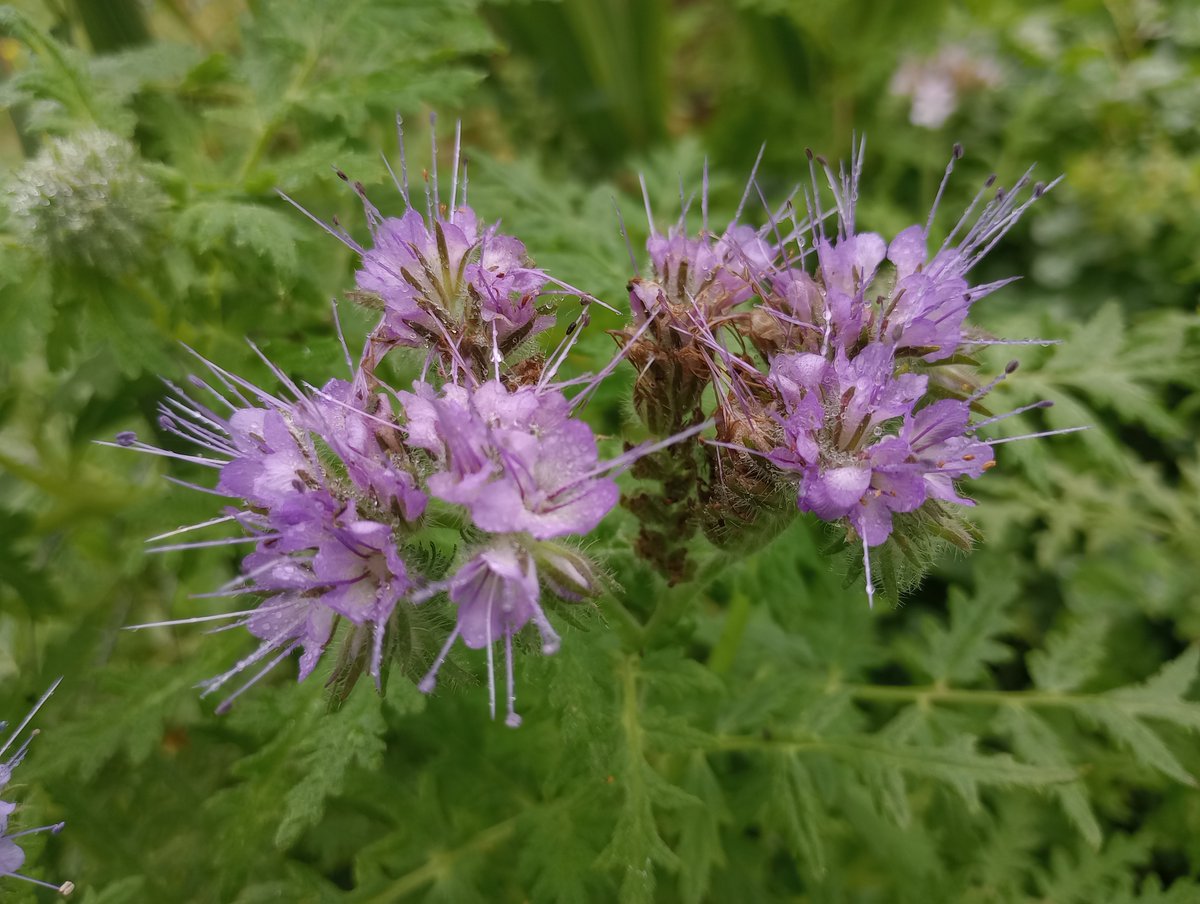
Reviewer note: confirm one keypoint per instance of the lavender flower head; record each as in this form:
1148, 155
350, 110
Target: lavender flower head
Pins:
860, 426
327, 493
446, 283
822, 350
844, 400
12, 857
330, 487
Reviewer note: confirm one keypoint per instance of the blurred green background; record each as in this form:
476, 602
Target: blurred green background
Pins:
988, 740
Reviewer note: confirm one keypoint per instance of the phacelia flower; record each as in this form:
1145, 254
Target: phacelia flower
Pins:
12, 857
845, 397
330, 486
325, 527
935, 84
496, 593
516, 459
464, 291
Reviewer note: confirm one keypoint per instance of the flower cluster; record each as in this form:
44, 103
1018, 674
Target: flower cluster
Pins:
831, 359
852, 395
343, 491
12, 857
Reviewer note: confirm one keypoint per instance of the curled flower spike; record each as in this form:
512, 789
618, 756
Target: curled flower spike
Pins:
12, 857
830, 352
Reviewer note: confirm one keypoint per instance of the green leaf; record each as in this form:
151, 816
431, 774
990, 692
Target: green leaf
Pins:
270, 234
1071, 656
792, 809
958, 764
332, 745
958, 653
700, 848
1037, 742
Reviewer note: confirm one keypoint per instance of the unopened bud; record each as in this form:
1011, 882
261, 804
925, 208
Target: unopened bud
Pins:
86, 199
567, 571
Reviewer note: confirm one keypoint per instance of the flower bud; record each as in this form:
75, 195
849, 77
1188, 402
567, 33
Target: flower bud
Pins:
566, 571
86, 200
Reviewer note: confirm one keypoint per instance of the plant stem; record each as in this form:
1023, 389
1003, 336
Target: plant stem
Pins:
720, 660
441, 862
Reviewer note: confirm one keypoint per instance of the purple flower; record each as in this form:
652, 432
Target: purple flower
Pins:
443, 273
939, 437
497, 594
12, 857
705, 274
359, 428
325, 527
516, 459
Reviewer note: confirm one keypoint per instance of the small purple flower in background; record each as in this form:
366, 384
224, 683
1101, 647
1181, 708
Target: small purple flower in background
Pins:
935, 84
12, 857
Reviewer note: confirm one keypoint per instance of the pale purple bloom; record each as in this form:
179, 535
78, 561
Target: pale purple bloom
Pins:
706, 274
444, 272
850, 355
497, 594
318, 556
939, 436
516, 459
366, 444
935, 84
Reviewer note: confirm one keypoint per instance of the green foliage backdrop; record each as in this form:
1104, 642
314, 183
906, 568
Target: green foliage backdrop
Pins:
1020, 727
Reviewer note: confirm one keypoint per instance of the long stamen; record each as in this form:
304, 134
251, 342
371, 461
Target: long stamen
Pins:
512, 720
454, 175
1013, 439
429, 682
403, 161
225, 704
984, 390
1044, 403
208, 618
29, 716
491, 665
56, 828
203, 544
633, 263
437, 198
867, 571
191, 527
646, 201
337, 325
65, 889
937, 199
737, 216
